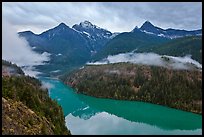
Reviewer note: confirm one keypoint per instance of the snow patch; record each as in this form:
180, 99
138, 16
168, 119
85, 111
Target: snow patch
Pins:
55, 71
77, 30
148, 32
87, 34
59, 54
161, 35
86, 24
114, 35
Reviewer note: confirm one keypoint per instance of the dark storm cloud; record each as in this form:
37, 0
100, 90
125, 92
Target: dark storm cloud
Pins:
116, 17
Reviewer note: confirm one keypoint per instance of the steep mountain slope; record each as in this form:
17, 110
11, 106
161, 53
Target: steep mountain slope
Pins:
149, 28
56, 40
150, 38
191, 45
69, 47
96, 36
27, 107
129, 41
181, 89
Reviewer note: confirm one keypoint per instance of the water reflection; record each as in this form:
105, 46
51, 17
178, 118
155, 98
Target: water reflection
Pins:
106, 124
85, 113
156, 115
89, 115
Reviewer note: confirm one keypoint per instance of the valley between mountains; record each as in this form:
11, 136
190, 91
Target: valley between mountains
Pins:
72, 47
90, 59
93, 67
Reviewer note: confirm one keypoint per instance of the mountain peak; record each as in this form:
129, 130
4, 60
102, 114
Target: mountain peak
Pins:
147, 24
28, 32
86, 24
135, 29
62, 25
147, 21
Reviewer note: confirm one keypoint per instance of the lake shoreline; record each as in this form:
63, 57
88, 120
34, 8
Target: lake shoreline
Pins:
135, 101
180, 89
80, 110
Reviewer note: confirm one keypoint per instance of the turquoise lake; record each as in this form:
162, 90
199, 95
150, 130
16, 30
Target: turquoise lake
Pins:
90, 115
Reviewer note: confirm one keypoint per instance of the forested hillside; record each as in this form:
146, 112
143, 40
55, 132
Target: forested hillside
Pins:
191, 45
181, 89
27, 107
126, 42
129, 41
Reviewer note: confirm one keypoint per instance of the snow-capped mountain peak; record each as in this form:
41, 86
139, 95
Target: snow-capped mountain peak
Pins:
96, 36
149, 28
87, 24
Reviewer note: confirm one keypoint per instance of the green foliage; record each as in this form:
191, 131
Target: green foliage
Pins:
180, 89
182, 46
43, 129
175, 89
28, 90
128, 41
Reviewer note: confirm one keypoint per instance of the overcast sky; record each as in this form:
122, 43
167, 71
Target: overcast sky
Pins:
113, 16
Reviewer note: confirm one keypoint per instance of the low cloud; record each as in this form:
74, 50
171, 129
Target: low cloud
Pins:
31, 71
47, 85
151, 59
18, 51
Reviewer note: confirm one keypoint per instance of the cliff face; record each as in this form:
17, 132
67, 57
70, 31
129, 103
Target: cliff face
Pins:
27, 108
180, 89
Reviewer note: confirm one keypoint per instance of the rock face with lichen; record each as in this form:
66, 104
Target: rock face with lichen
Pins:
27, 108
